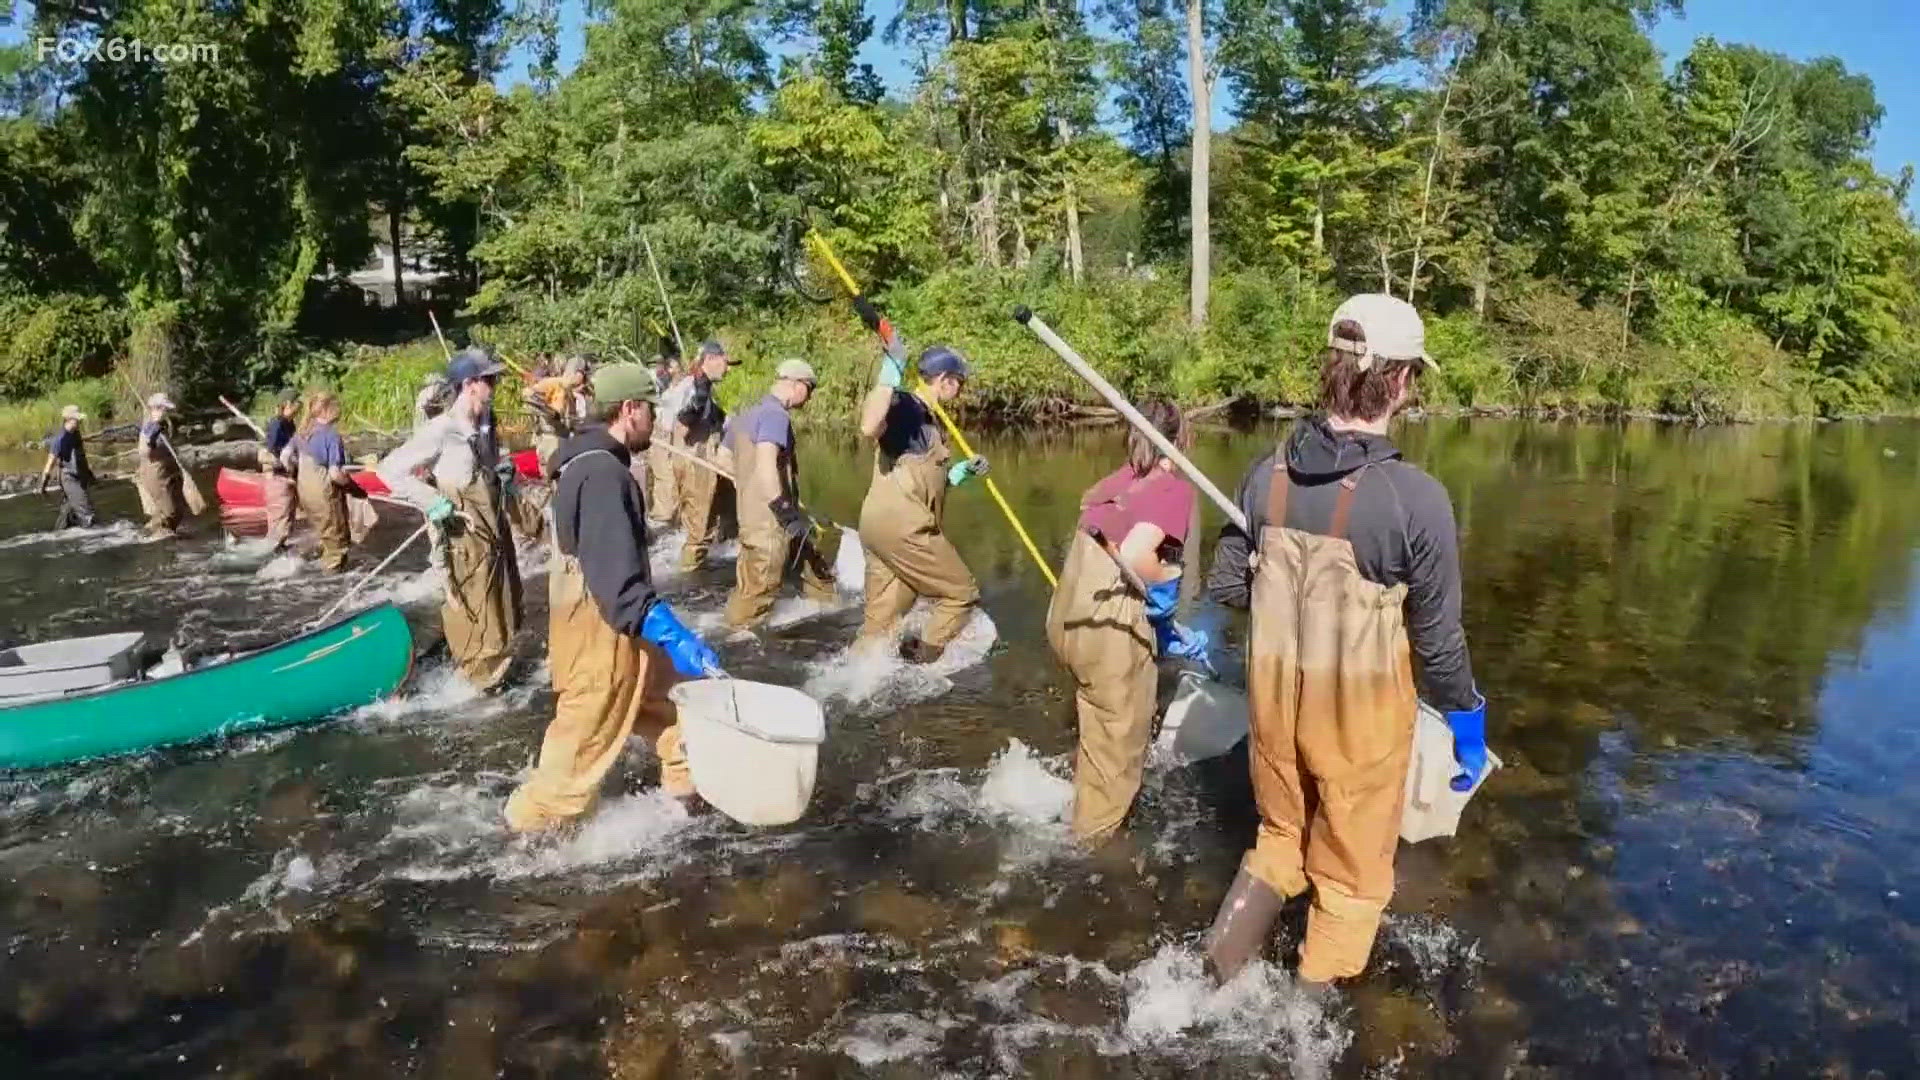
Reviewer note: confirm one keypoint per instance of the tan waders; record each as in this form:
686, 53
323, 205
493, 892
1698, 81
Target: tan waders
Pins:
1333, 701
705, 499
912, 557
281, 498
482, 608
607, 686
161, 494
1098, 627
766, 551
325, 505
663, 496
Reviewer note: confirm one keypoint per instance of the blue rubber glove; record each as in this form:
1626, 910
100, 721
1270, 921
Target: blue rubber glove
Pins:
891, 373
439, 512
962, 471
1162, 598
691, 656
1170, 637
1469, 727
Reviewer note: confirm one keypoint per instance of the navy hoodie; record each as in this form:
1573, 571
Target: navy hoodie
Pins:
600, 518
1402, 531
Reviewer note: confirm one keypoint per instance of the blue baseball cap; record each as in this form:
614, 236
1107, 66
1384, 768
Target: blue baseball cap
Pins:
940, 360
472, 363
712, 347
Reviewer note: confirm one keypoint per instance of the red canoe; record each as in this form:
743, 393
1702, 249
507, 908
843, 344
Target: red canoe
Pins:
240, 489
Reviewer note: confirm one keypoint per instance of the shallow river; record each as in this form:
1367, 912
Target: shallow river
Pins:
1702, 654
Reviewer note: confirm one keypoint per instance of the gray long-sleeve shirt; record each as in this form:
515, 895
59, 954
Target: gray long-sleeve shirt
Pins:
1402, 530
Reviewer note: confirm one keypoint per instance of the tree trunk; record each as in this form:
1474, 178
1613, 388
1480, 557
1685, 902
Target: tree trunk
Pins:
1022, 254
1202, 241
1076, 259
395, 210
1480, 285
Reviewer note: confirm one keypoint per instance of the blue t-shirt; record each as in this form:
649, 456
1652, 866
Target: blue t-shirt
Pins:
909, 427
767, 421
70, 451
323, 445
279, 434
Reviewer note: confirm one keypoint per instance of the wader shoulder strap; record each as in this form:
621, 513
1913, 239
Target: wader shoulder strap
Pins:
1277, 488
1343, 502
1282, 483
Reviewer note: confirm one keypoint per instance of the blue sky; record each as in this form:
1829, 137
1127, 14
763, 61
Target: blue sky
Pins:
1874, 37
1880, 38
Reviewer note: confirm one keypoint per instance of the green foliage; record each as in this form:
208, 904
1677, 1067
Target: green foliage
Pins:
1584, 230
55, 339
26, 422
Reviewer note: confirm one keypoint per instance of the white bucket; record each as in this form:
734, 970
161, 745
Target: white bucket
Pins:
751, 747
1205, 719
1433, 807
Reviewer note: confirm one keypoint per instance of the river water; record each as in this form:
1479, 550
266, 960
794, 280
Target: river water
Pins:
1703, 856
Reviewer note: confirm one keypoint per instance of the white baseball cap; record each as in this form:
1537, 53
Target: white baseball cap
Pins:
1391, 327
797, 370
72, 412
160, 401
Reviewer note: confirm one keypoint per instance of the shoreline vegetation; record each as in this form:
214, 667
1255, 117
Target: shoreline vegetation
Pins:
1588, 227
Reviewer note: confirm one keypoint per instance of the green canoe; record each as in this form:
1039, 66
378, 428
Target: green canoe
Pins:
343, 666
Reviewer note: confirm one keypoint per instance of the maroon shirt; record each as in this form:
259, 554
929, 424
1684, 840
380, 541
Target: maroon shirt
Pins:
1162, 498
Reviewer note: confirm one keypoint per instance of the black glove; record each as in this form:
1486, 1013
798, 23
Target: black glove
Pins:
870, 315
698, 402
792, 519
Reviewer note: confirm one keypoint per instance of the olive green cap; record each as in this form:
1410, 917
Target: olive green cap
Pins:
624, 382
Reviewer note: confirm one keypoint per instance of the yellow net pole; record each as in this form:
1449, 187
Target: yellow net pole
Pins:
953, 430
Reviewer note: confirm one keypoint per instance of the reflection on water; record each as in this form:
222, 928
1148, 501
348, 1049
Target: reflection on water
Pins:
1698, 645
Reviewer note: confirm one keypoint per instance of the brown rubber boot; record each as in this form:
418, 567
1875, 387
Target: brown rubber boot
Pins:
1241, 925
916, 651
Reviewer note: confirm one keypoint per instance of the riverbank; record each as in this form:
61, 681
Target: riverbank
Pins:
1547, 357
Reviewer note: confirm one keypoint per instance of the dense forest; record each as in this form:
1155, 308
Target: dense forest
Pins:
1587, 226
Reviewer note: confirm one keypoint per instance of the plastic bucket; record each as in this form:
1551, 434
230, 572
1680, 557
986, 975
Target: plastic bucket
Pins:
1433, 807
752, 747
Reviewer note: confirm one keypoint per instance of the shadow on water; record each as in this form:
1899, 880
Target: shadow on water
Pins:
1698, 645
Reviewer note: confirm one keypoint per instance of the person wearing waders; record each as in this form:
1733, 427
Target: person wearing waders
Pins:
663, 490
614, 646
67, 451
158, 475
1350, 562
557, 403
775, 533
321, 479
900, 521
468, 501
278, 460
431, 401
1109, 631
696, 418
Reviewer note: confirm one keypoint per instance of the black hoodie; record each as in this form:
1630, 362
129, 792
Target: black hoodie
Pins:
600, 518
1402, 531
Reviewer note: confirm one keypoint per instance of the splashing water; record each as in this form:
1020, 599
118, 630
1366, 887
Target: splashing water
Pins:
84, 541
877, 679
1171, 999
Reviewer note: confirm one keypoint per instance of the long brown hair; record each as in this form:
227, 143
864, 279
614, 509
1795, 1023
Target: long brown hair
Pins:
1170, 422
1349, 392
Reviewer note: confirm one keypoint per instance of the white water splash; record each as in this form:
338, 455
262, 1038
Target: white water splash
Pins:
81, 541
1173, 1004
457, 832
1023, 788
877, 679
876, 1040
281, 567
